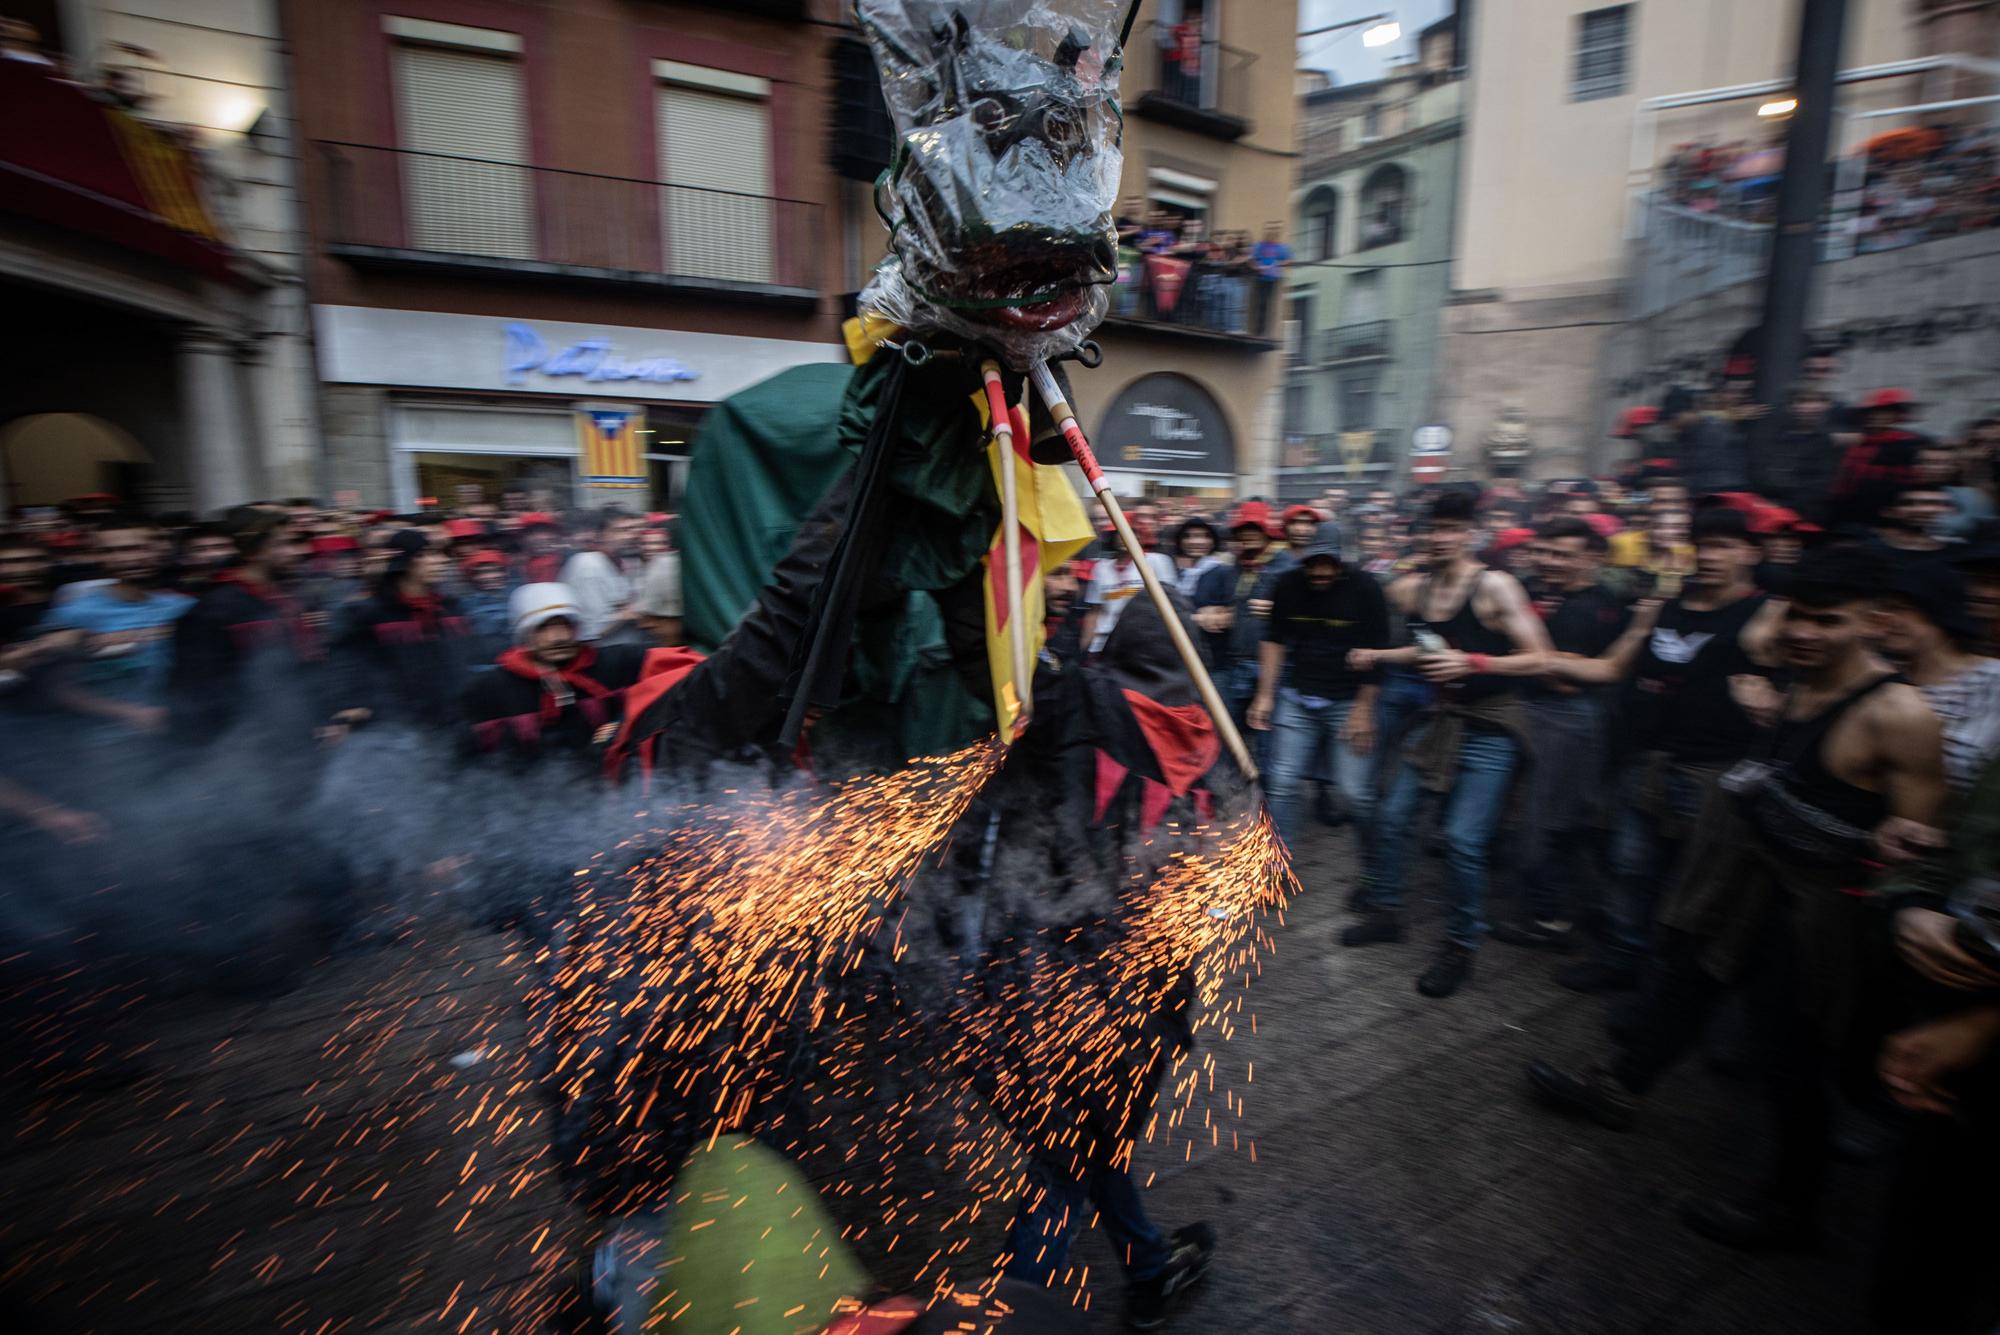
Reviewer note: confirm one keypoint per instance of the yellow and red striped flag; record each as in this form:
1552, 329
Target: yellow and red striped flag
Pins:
1054, 528
609, 438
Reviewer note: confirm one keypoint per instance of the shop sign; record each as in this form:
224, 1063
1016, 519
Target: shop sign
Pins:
1167, 423
1431, 440
589, 359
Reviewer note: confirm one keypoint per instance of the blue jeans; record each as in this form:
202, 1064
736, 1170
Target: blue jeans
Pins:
1644, 856
1477, 799
1297, 734
1046, 1222
1403, 694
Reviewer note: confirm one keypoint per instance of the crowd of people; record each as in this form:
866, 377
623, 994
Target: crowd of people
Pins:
1726, 723
1723, 723
1917, 184
1170, 270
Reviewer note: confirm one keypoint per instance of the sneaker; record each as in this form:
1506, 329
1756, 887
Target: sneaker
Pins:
1599, 976
1448, 971
1754, 1227
1147, 1300
1596, 1095
1536, 934
1375, 928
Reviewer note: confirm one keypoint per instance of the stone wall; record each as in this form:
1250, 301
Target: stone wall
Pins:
354, 420
1544, 355
1926, 318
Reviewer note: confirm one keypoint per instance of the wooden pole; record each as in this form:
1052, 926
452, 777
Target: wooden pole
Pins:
1079, 448
1010, 542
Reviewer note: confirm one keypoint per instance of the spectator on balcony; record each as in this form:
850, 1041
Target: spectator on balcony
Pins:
1269, 259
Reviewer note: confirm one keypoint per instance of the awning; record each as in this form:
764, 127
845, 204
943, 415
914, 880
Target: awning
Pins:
71, 161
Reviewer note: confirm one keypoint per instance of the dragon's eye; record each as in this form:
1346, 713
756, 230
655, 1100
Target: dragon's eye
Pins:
991, 115
1063, 128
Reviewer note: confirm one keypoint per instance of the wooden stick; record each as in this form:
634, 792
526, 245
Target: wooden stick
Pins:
1059, 409
1010, 542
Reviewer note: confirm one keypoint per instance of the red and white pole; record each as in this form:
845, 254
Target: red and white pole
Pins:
1079, 448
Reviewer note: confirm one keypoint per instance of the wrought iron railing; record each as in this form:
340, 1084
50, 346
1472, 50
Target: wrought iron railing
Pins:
1219, 299
444, 205
1200, 75
1356, 342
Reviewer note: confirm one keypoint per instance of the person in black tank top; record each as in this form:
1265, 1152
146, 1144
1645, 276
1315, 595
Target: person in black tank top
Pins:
1675, 728
1850, 774
1473, 635
1566, 721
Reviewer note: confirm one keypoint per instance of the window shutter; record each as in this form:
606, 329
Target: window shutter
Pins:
715, 158
457, 105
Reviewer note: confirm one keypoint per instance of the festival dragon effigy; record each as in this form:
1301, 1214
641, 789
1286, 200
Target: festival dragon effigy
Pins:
938, 956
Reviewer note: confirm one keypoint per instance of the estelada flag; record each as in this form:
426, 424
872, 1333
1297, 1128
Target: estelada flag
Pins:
1168, 275
1054, 528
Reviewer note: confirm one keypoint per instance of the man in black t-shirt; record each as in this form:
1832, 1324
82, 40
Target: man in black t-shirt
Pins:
1319, 611
1678, 728
1567, 723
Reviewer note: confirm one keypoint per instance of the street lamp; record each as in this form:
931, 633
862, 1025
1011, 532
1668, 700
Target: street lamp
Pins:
1384, 31
1783, 106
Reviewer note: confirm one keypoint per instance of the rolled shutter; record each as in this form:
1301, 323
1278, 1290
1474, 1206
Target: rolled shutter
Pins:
715, 158
454, 106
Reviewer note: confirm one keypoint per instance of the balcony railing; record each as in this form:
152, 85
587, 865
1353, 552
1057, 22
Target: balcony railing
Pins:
398, 204
1197, 297
1203, 86
1355, 342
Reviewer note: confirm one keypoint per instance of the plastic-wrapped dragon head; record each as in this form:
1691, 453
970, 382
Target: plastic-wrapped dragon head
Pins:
1000, 192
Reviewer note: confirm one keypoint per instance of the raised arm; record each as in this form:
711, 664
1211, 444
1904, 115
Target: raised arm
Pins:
1615, 663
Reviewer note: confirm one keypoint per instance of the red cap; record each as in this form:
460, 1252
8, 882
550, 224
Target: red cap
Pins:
1740, 368
486, 556
1632, 420
1890, 398
1602, 524
1510, 538
1254, 514
464, 528
537, 519
338, 542
1301, 512
379, 516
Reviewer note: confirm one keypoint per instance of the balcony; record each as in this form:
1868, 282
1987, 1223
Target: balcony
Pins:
1203, 86
1178, 299
1369, 341
391, 207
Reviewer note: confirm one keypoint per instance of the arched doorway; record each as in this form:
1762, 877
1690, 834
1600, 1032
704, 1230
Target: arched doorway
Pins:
53, 457
1166, 432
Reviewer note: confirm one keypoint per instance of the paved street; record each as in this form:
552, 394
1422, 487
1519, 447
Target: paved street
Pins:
1404, 1186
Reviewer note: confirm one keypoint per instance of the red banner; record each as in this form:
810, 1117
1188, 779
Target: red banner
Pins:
1166, 275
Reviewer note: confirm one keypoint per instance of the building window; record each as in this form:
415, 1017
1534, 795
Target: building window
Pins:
1362, 300
714, 132
1319, 237
1180, 194
1384, 199
1357, 403
1600, 53
462, 127
1371, 122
